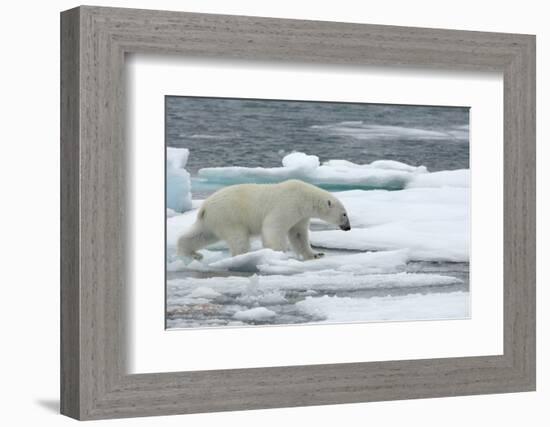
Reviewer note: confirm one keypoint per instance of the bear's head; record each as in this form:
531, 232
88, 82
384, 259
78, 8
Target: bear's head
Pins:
334, 212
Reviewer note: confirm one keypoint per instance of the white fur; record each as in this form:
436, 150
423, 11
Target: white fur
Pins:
280, 213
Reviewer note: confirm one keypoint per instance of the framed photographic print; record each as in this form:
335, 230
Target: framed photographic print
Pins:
262, 213
382, 231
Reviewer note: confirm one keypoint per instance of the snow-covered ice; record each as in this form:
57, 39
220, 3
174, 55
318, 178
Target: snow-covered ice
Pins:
425, 240
432, 223
449, 305
456, 178
377, 207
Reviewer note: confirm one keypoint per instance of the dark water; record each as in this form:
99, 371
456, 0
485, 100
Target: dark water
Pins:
240, 132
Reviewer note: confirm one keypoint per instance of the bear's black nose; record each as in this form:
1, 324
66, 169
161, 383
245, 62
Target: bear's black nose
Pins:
345, 227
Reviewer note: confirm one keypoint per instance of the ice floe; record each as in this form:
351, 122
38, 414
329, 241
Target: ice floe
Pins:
335, 173
204, 292
448, 305
377, 207
424, 240
267, 261
254, 314
325, 281
432, 223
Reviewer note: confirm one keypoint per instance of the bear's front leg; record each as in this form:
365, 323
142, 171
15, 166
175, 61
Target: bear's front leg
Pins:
298, 236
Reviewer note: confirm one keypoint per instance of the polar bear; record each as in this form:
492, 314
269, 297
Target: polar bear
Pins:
279, 213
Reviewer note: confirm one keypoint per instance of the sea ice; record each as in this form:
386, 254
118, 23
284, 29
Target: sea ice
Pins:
454, 178
250, 261
358, 263
204, 292
341, 174
425, 240
254, 314
267, 261
432, 223
177, 224
178, 181
325, 281
337, 173
447, 305
377, 207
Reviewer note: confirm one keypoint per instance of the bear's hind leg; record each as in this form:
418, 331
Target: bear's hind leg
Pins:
298, 236
194, 239
238, 240
274, 236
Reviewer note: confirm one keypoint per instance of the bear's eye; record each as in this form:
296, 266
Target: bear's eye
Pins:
329, 204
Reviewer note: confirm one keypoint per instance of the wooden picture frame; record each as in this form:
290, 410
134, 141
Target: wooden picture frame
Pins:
94, 382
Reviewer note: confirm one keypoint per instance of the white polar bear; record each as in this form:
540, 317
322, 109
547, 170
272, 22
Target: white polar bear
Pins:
280, 213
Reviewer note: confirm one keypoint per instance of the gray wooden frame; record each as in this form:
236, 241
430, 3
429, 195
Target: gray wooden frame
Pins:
94, 382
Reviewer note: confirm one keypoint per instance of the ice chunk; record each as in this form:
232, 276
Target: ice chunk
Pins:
204, 292
300, 162
178, 181
254, 314
176, 158
249, 261
450, 305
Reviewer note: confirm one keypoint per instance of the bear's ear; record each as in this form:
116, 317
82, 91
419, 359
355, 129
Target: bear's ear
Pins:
329, 203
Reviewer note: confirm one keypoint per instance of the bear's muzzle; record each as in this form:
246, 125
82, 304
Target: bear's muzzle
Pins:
345, 226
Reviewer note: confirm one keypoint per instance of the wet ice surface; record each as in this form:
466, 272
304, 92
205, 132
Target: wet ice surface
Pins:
416, 291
